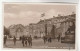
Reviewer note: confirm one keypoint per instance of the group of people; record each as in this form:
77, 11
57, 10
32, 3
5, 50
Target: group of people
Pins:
47, 39
26, 40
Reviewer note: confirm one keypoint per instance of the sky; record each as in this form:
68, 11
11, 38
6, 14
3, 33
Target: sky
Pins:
31, 13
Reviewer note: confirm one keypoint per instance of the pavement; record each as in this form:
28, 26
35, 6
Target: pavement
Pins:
39, 44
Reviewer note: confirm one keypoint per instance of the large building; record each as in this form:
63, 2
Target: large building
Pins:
54, 26
17, 30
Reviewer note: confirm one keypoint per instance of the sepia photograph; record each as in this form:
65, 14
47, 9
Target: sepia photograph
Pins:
39, 25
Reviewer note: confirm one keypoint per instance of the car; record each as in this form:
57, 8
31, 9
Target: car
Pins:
69, 38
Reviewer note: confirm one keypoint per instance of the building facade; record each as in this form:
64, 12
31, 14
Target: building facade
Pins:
54, 26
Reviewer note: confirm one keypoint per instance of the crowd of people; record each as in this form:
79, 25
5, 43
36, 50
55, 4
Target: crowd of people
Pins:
27, 40
49, 39
24, 40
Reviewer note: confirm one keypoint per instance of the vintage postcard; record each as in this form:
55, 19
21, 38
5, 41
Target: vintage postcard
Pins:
39, 25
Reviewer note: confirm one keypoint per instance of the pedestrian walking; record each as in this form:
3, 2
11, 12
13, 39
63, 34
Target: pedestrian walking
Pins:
45, 39
20, 38
14, 40
5, 39
23, 40
30, 40
49, 40
26, 40
58, 38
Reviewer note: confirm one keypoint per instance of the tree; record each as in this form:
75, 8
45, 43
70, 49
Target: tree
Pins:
45, 29
53, 31
6, 31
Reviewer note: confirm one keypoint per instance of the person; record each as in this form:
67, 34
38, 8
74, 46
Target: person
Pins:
5, 38
58, 38
14, 39
20, 38
26, 41
23, 39
45, 39
30, 40
49, 39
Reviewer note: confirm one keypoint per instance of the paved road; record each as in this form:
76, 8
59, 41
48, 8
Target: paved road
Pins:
39, 43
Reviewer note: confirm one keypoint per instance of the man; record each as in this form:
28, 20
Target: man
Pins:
5, 38
20, 38
23, 40
14, 39
49, 39
26, 41
45, 39
58, 38
30, 40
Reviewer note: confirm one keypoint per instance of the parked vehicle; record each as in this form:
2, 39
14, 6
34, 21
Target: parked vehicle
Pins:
69, 38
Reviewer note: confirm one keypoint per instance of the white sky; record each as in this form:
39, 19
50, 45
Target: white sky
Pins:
31, 13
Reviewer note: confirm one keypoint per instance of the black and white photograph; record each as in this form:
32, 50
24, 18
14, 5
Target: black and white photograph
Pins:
39, 25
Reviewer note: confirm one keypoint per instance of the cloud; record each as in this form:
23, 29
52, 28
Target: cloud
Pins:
32, 15
10, 15
24, 17
29, 14
51, 13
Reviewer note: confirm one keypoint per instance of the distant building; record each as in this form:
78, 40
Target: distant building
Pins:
17, 30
